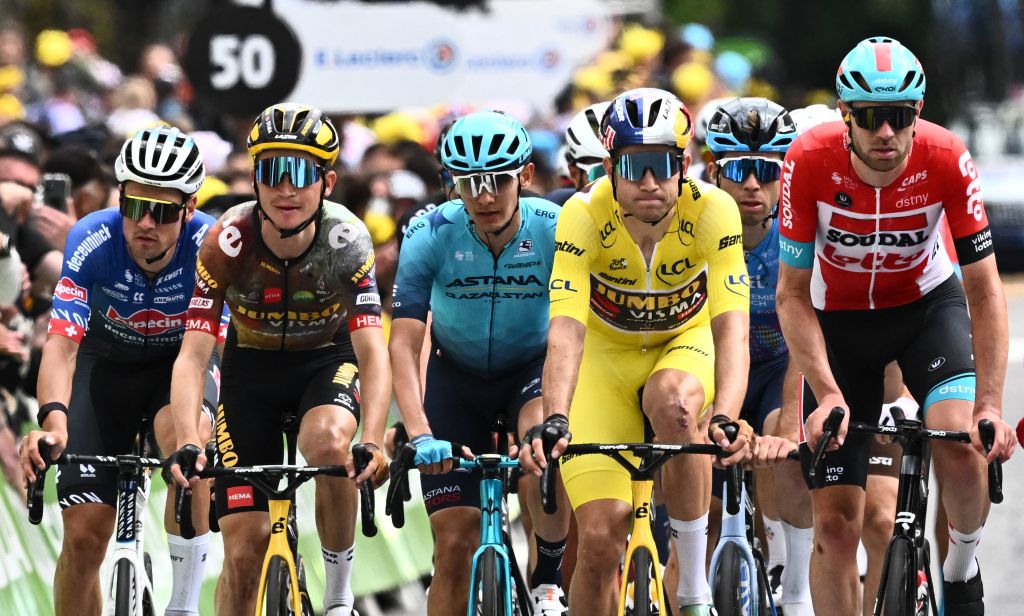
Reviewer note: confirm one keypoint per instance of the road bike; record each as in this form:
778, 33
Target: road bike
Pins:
130, 592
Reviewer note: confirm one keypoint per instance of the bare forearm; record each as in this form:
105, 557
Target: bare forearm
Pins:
186, 386
990, 335
806, 343
409, 371
375, 384
732, 361
56, 368
562, 364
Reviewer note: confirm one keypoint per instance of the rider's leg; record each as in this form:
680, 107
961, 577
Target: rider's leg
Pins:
188, 556
835, 581
325, 435
456, 538
245, 536
76, 583
764, 482
673, 401
602, 526
879, 513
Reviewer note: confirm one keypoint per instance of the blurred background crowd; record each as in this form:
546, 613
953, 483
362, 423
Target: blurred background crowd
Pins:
77, 78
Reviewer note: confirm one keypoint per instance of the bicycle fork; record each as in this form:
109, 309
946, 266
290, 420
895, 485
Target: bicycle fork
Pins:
640, 538
279, 547
133, 492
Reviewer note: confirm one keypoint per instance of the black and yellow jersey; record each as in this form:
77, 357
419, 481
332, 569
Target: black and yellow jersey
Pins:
601, 279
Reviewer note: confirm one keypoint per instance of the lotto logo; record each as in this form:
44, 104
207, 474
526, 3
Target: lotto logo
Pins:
240, 496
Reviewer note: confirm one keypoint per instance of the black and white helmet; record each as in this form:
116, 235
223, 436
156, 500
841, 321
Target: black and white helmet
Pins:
164, 157
582, 140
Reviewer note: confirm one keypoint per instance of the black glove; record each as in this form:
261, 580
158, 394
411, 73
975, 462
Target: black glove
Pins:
185, 458
554, 428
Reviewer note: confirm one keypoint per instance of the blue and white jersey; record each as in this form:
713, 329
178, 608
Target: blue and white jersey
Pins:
490, 314
105, 300
766, 340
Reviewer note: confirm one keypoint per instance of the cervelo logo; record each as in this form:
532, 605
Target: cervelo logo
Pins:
150, 322
68, 291
975, 202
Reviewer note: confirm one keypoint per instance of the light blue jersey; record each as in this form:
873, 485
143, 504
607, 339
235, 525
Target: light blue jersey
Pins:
490, 314
763, 268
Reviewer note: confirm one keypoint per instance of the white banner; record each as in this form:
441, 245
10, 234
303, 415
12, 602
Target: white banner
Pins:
360, 57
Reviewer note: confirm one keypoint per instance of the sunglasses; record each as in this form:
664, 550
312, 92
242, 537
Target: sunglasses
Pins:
872, 118
494, 183
766, 170
302, 172
163, 212
633, 166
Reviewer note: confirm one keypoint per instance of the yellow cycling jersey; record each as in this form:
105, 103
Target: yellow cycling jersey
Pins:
601, 279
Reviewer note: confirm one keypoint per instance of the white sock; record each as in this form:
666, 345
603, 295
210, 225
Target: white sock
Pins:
776, 542
188, 563
338, 597
691, 550
796, 585
960, 564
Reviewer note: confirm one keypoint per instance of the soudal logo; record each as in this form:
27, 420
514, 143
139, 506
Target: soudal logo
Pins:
149, 322
68, 291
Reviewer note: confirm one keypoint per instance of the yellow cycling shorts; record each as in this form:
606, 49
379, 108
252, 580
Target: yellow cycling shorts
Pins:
606, 405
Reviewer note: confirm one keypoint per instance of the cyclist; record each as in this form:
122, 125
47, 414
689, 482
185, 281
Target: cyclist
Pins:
116, 323
480, 265
747, 138
584, 151
862, 204
649, 319
297, 273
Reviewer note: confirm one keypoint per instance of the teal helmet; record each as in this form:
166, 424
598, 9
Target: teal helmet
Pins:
880, 70
485, 141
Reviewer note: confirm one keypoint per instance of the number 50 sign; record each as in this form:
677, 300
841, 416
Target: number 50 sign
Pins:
242, 59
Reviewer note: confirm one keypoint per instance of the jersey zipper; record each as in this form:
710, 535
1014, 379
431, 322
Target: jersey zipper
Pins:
647, 289
284, 300
874, 247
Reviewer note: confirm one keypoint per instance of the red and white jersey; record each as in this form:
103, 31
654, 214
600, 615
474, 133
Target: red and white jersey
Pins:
879, 247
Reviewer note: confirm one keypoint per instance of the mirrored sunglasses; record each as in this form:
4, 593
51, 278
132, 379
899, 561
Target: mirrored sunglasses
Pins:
635, 165
300, 171
163, 212
494, 183
766, 170
872, 118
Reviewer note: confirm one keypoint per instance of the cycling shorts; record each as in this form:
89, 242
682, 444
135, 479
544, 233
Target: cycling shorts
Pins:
884, 459
109, 400
929, 338
462, 408
259, 387
606, 405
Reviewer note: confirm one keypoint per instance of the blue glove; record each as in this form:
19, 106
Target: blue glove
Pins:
430, 450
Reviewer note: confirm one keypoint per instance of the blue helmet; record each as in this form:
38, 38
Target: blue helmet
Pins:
880, 70
485, 141
646, 116
750, 125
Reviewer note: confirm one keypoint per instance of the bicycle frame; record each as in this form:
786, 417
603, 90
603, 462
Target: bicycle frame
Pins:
280, 547
132, 495
493, 519
640, 536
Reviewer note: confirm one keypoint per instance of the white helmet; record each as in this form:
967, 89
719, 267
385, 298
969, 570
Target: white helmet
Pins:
700, 131
808, 117
582, 143
163, 157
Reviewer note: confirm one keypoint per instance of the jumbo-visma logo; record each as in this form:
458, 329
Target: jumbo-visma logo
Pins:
440, 55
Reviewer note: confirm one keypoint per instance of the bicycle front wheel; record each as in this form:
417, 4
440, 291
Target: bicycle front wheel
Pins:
278, 589
124, 601
900, 582
733, 584
488, 595
642, 595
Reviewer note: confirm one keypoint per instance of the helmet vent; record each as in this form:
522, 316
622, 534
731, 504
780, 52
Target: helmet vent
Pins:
512, 147
477, 144
495, 145
593, 120
655, 110
572, 135
633, 113
278, 117
861, 82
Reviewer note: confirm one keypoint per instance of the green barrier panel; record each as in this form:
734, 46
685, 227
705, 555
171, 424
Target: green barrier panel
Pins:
28, 554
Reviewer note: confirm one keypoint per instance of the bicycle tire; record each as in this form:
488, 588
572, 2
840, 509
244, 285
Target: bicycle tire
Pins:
764, 603
124, 605
490, 600
304, 601
729, 588
638, 572
148, 606
276, 603
900, 596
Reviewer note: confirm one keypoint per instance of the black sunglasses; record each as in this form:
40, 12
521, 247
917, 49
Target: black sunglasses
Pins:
872, 118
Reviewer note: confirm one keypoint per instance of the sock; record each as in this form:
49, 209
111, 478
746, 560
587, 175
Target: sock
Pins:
691, 549
338, 597
549, 562
960, 564
776, 542
188, 563
796, 584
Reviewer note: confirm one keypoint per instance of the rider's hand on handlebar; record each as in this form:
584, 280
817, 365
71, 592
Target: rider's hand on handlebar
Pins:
376, 471
742, 450
531, 451
433, 456
813, 426
191, 457
30, 458
772, 449
1005, 439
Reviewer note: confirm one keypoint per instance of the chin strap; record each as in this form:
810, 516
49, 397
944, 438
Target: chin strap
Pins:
286, 233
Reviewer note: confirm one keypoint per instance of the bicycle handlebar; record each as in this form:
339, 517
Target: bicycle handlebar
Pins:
829, 430
987, 432
36, 488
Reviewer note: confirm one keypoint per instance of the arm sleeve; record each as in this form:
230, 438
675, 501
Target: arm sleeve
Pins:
205, 311
965, 208
577, 243
69, 312
416, 270
797, 210
719, 238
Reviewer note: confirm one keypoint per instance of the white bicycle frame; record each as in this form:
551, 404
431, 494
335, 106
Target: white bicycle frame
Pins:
128, 542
